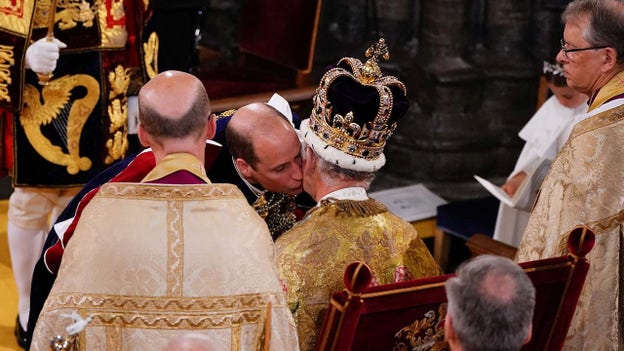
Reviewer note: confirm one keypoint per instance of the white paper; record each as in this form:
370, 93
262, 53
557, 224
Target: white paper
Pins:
412, 203
496, 191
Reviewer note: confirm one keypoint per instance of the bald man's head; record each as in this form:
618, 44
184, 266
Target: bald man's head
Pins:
250, 121
173, 104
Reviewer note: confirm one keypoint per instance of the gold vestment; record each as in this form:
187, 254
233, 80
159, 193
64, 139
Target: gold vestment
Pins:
175, 259
585, 185
313, 255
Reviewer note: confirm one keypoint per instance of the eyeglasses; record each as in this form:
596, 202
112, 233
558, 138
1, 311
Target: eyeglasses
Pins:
567, 51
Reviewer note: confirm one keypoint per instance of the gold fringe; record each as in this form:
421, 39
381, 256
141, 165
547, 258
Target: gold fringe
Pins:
352, 208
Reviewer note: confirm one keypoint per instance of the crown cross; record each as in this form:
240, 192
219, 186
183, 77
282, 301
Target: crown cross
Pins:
371, 70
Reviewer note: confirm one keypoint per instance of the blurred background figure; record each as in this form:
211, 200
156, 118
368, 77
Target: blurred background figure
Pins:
544, 135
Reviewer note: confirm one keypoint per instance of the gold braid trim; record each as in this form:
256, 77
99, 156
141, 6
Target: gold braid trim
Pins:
352, 208
153, 312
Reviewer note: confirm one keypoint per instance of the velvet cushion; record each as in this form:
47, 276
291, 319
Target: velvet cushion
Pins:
348, 95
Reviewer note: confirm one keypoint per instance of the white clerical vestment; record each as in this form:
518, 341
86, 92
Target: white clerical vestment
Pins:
544, 135
148, 262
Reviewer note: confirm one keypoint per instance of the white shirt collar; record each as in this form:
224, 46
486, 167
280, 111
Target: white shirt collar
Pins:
356, 193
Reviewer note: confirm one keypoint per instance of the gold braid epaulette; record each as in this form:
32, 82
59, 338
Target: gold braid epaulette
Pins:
353, 208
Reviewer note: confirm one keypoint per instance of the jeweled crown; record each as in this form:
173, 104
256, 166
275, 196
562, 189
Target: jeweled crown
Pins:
355, 105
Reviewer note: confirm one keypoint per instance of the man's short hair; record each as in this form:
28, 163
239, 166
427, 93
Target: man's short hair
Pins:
331, 173
606, 22
240, 142
190, 123
491, 302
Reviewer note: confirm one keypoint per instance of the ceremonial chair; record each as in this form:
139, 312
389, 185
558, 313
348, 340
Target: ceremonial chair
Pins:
277, 42
410, 315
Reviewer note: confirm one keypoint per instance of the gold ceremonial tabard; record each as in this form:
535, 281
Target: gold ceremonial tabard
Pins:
148, 262
586, 185
313, 255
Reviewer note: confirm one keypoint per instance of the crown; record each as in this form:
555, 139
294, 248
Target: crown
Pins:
355, 110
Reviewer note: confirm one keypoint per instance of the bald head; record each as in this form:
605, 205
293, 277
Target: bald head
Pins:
173, 104
249, 122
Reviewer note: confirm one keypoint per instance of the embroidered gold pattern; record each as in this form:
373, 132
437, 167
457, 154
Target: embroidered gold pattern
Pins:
40, 19
72, 12
182, 312
117, 145
425, 334
116, 35
117, 10
15, 16
155, 191
6, 61
175, 256
56, 98
150, 58
277, 210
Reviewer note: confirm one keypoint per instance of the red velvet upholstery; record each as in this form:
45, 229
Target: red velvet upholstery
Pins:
410, 315
277, 38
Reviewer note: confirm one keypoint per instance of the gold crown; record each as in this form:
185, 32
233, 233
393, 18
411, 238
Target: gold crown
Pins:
367, 139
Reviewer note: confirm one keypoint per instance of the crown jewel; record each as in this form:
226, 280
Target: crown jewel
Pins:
354, 135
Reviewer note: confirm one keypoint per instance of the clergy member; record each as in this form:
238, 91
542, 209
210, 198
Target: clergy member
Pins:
172, 254
585, 182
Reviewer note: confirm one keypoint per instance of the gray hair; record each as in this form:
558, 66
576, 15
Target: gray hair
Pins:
606, 22
331, 173
491, 302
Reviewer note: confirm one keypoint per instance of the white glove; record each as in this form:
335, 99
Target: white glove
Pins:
41, 56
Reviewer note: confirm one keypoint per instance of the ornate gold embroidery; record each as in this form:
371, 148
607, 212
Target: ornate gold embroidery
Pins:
181, 312
6, 61
15, 16
424, 334
117, 10
114, 36
119, 80
155, 191
117, 145
56, 96
150, 50
175, 255
73, 12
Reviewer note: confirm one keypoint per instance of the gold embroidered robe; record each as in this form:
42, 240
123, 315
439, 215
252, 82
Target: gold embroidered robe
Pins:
176, 259
313, 255
586, 185
69, 130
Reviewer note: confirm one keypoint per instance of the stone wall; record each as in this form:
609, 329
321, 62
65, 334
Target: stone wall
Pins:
471, 68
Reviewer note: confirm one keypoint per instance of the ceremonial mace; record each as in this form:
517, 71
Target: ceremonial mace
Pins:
44, 78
